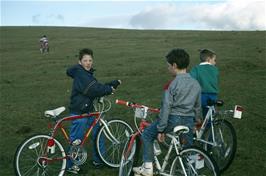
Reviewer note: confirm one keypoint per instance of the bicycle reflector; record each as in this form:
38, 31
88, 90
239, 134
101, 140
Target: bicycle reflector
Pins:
238, 111
141, 112
51, 146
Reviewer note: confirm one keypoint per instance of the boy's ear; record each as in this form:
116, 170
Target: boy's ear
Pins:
174, 65
208, 59
79, 62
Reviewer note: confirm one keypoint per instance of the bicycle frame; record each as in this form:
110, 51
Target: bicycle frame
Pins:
97, 116
199, 133
142, 125
174, 144
209, 119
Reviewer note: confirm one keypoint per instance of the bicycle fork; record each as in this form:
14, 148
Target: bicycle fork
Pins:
108, 133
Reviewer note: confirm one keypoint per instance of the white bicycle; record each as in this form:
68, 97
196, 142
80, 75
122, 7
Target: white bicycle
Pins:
190, 161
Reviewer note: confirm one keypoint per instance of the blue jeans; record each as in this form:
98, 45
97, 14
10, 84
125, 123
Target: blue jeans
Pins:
77, 131
150, 134
205, 97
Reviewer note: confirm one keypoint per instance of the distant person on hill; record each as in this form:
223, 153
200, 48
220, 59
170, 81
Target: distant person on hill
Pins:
206, 73
85, 89
180, 106
44, 46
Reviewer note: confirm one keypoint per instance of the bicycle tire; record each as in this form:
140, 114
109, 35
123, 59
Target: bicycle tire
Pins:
30, 157
196, 161
112, 151
129, 157
224, 152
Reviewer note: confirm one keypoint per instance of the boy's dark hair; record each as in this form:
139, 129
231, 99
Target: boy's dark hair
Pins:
206, 53
178, 56
85, 51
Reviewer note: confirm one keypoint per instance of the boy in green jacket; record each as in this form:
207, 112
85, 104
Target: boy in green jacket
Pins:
206, 73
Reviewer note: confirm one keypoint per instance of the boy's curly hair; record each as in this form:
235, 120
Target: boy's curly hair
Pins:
178, 56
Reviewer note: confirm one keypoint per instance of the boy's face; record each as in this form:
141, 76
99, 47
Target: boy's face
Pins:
172, 69
212, 60
86, 62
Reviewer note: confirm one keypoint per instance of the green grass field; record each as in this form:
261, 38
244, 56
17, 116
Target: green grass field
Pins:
32, 83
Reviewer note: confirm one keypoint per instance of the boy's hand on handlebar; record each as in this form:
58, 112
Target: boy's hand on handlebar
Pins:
161, 137
115, 83
198, 121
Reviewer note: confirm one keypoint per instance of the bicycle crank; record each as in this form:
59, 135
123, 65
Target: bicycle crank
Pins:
78, 155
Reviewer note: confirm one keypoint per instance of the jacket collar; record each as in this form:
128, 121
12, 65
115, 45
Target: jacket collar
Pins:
91, 71
205, 63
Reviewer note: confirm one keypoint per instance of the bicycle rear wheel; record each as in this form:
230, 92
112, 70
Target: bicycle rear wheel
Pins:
226, 143
194, 161
109, 150
32, 158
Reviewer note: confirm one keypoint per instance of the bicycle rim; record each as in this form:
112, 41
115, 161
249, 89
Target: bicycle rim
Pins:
194, 162
32, 158
225, 138
110, 151
127, 159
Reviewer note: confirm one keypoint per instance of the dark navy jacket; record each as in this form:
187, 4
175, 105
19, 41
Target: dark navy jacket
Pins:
85, 89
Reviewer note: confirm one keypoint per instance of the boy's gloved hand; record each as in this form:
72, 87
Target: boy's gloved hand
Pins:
115, 83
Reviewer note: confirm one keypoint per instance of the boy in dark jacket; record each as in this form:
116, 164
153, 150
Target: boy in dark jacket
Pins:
85, 89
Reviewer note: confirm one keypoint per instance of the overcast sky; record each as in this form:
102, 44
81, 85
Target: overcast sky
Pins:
137, 14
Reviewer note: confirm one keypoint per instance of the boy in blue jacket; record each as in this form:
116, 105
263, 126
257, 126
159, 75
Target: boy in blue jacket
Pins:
85, 89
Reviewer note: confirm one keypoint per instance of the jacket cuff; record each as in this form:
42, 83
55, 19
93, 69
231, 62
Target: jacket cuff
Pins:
160, 130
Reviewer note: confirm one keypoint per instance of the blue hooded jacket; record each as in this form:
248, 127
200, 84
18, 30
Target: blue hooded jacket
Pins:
85, 89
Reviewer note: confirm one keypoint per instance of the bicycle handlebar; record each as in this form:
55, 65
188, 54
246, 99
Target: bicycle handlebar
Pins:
135, 105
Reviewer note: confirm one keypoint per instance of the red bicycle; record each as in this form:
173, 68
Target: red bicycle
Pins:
44, 155
189, 161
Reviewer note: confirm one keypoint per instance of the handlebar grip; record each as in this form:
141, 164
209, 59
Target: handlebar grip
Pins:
155, 110
122, 102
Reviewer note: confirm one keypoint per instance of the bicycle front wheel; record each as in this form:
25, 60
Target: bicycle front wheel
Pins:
225, 144
192, 162
110, 150
32, 158
129, 159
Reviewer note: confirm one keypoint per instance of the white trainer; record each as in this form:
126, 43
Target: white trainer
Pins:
142, 171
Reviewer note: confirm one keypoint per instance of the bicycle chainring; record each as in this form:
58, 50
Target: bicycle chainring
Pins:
78, 155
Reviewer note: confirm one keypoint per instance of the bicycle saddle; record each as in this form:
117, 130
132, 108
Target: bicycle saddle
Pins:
54, 112
219, 102
181, 129
212, 103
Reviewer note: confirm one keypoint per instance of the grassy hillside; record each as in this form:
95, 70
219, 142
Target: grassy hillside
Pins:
32, 83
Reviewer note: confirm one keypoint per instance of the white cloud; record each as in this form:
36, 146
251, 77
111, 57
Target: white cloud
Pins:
201, 15
231, 15
114, 21
156, 17
227, 15
49, 19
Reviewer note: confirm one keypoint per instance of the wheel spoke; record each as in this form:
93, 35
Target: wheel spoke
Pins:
31, 161
113, 150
